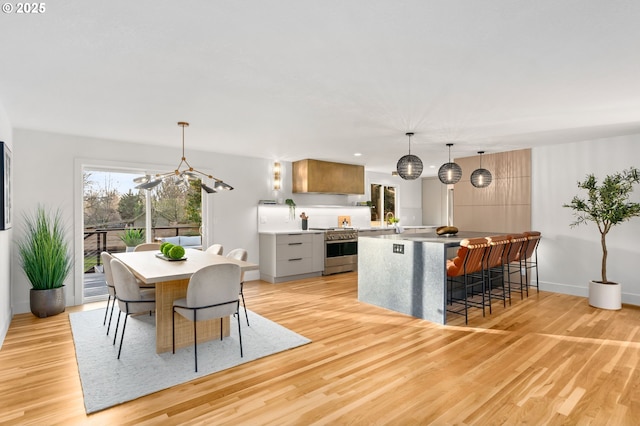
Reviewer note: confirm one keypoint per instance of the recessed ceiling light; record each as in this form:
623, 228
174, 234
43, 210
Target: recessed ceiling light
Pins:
432, 166
357, 154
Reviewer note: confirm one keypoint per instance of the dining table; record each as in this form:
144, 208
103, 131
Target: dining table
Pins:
171, 279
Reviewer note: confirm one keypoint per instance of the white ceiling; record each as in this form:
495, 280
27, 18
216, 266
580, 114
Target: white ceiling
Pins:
294, 79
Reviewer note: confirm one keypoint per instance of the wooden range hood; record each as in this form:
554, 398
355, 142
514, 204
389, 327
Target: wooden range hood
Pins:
326, 177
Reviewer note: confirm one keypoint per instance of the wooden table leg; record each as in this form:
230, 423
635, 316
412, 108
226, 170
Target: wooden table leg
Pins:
166, 293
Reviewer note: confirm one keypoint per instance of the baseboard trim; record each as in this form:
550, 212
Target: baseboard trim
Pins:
574, 290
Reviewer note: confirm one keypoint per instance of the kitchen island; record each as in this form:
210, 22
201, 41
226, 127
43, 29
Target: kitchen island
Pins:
408, 273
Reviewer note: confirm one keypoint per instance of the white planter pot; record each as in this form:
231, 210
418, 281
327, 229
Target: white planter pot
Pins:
605, 296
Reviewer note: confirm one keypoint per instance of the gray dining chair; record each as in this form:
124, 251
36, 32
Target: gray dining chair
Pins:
131, 298
240, 254
212, 293
215, 249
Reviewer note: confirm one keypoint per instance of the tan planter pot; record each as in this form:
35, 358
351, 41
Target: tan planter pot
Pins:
605, 296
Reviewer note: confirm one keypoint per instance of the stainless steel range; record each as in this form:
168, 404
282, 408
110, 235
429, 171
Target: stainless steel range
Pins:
341, 250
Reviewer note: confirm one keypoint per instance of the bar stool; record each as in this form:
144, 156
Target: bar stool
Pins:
464, 274
494, 268
530, 257
512, 264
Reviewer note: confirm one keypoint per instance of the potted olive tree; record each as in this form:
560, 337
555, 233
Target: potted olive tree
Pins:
45, 259
606, 205
132, 237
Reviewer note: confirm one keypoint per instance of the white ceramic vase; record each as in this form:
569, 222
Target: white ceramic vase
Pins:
605, 296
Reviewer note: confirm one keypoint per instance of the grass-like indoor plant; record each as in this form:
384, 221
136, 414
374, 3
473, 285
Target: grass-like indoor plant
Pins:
607, 204
132, 237
46, 261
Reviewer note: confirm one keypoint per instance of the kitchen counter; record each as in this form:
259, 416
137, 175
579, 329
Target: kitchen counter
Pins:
292, 232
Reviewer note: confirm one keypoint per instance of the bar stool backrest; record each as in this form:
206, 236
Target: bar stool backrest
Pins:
468, 247
533, 239
518, 241
477, 248
498, 246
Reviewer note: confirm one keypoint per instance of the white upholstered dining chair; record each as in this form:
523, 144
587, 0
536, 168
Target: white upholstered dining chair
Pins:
212, 293
215, 249
108, 277
131, 298
147, 247
240, 254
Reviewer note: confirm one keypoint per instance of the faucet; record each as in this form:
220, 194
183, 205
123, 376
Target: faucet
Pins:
388, 216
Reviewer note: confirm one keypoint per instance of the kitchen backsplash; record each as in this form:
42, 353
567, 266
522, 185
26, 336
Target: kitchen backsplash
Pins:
275, 218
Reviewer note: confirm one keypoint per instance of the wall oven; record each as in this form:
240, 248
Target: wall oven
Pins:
341, 250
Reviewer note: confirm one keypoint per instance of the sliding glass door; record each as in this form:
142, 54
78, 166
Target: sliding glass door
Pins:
112, 204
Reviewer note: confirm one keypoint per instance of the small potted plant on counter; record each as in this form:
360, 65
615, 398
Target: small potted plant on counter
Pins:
606, 205
305, 221
46, 261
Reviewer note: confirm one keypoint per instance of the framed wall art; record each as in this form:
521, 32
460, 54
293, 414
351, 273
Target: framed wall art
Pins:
6, 211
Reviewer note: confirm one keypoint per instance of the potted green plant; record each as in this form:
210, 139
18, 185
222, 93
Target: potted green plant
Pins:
606, 205
132, 237
45, 258
292, 207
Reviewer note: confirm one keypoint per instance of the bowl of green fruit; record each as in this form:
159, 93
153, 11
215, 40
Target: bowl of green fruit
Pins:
171, 252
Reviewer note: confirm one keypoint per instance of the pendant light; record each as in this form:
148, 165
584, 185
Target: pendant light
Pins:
182, 177
409, 167
481, 178
450, 173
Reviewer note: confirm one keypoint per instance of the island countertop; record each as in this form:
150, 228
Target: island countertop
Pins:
432, 237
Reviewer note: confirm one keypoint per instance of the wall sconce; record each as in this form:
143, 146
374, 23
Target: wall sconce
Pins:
277, 176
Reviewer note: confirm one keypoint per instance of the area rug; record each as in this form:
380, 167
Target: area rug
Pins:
107, 381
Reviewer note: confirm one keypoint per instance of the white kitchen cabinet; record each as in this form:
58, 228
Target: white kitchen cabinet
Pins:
291, 256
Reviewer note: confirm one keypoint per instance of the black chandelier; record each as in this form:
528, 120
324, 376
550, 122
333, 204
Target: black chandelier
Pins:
450, 173
182, 177
481, 178
409, 167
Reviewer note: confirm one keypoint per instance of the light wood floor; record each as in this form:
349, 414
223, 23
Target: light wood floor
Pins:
550, 359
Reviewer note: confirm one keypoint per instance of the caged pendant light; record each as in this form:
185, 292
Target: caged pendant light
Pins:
481, 178
182, 177
409, 167
450, 173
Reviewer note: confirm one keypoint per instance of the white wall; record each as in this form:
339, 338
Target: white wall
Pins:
5, 243
570, 257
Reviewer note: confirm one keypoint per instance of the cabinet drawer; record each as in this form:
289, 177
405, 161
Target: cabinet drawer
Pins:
293, 250
294, 266
293, 238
